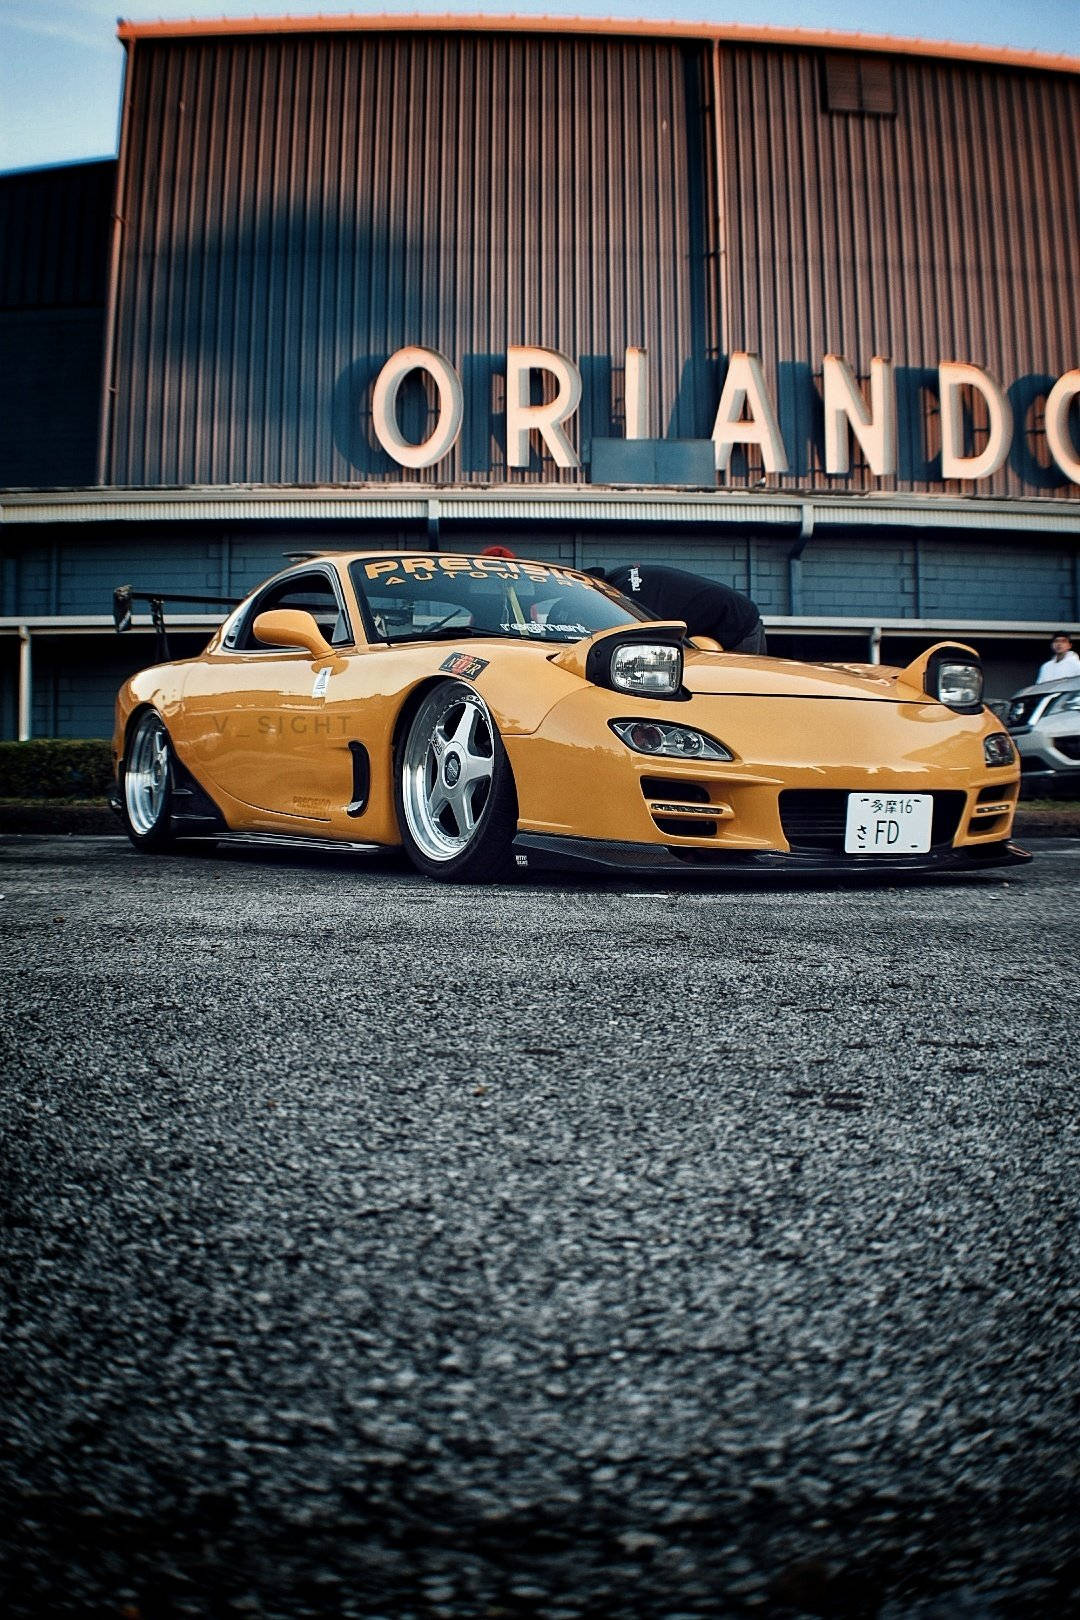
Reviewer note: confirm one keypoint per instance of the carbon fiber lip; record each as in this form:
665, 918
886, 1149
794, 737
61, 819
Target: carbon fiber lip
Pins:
540, 852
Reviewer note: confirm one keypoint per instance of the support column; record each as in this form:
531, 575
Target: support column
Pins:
433, 515
875, 644
26, 687
806, 534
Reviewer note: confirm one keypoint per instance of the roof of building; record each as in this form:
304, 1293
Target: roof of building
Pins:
722, 33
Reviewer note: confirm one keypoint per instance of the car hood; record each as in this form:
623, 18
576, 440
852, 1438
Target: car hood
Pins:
1068, 683
729, 674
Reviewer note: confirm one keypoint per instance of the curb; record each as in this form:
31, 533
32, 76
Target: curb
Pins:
86, 817
1063, 823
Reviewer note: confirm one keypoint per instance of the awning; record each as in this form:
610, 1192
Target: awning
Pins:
540, 504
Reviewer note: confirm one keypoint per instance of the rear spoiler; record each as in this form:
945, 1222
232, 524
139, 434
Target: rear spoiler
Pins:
124, 595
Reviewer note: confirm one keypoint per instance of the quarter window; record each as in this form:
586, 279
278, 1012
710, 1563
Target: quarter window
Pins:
313, 593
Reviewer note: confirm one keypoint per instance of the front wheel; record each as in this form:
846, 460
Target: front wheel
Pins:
146, 784
456, 805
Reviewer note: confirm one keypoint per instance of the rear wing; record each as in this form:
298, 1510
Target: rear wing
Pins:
125, 595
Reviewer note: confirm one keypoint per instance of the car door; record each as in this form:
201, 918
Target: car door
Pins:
270, 726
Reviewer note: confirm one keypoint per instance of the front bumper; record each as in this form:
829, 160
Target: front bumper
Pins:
540, 852
1041, 759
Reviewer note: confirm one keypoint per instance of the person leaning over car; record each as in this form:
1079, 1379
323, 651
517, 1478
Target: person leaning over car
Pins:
706, 607
1064, 661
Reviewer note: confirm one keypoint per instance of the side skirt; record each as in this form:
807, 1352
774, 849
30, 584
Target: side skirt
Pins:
296, 841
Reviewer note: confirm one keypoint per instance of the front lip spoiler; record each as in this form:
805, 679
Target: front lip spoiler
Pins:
540, 852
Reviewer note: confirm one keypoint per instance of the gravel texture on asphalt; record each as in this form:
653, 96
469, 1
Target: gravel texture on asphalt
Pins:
375, 1248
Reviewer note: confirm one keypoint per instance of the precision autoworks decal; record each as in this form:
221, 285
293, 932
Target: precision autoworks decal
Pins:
391, 572
463, 664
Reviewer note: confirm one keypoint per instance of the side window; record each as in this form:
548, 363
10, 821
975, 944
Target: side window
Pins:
311, 593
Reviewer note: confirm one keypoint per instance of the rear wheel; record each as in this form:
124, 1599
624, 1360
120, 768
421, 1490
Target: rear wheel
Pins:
146, 785
456, 805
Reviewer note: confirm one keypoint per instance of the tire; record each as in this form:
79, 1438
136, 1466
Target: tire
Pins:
146, 784
454, 790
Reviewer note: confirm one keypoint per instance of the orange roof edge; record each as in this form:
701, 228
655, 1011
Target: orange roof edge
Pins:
733, 33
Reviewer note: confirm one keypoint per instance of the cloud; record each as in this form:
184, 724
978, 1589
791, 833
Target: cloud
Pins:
91, 27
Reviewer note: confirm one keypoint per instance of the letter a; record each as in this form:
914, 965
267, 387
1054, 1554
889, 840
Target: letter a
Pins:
744, 389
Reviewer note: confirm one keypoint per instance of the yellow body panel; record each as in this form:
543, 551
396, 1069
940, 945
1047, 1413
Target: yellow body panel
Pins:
267, 735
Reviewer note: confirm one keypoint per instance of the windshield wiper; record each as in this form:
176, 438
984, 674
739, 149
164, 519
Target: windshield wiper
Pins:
446, 632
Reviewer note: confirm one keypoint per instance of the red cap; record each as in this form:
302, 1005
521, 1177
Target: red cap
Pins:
496, 551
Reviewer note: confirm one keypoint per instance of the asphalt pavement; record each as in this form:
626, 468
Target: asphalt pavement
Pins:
375, 1248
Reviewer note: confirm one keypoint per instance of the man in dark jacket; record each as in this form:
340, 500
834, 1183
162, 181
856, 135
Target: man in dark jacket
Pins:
706, 607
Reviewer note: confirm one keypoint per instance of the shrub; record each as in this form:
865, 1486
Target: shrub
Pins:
55, 768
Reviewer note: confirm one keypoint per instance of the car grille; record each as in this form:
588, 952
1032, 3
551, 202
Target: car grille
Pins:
1069, 746
816, 818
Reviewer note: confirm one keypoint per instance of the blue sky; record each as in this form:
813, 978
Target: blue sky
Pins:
60, 61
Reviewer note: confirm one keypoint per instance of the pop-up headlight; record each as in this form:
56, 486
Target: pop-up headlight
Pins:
955, 680
960, 685
651, 669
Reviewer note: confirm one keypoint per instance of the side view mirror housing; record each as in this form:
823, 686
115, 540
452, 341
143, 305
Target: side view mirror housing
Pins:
291, 627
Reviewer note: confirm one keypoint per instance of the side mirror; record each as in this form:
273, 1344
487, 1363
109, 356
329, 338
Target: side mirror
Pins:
291, 627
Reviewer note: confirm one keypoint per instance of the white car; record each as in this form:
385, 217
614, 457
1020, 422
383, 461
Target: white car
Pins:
1045, 725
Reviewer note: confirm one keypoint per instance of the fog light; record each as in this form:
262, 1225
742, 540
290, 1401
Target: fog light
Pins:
646, 738
677, 742
998, 748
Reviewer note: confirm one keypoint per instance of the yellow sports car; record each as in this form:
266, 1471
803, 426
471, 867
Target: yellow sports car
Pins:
491, 714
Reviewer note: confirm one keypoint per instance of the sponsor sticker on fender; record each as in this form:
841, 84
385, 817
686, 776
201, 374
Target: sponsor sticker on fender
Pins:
462, 664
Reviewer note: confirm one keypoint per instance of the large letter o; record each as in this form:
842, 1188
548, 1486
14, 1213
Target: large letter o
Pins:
384, 407
1058, 402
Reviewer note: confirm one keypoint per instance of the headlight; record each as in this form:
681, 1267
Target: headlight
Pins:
998, 748
677, 742
652, 669
955, 681
1067, 703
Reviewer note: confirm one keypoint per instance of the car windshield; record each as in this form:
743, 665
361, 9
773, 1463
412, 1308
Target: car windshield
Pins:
418, 598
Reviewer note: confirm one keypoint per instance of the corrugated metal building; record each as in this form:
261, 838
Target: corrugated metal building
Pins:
804, 309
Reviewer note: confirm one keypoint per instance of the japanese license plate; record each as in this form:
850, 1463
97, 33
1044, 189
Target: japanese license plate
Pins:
888, 823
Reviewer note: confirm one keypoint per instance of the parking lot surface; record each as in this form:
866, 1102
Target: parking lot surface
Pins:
375, 1248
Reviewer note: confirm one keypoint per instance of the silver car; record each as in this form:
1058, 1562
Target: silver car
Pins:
1045, 726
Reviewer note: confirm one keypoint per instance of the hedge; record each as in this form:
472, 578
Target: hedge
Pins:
55, 768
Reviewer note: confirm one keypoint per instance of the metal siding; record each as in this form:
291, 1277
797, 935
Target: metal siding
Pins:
54, 236
947, 232
298, 208
53, 253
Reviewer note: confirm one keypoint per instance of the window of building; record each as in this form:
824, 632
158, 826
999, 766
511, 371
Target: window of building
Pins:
858, 84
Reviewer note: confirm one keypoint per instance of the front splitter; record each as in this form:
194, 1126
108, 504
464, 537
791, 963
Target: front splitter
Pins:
541, 852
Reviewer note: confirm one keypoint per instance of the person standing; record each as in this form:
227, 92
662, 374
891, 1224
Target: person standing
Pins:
1062, 662
706, 607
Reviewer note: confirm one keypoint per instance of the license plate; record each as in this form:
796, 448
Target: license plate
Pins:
888, 823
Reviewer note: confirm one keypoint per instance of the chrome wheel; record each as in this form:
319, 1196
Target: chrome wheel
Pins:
146, 776
447, 770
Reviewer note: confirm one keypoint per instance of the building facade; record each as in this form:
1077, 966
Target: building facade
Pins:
799, 312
